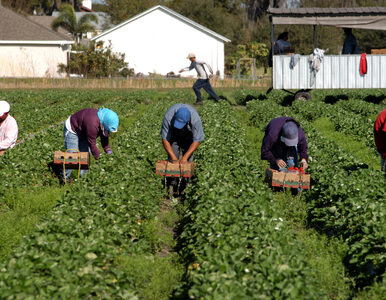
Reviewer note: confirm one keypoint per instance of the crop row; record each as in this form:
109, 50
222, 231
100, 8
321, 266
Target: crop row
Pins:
36, 110
80, 249
360, 127
27, 165
236, 242
346, 198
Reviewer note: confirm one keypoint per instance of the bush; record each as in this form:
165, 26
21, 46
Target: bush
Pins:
96, 61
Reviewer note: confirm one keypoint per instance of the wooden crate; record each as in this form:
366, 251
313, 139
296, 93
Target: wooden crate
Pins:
378, 51
292, 179
72, 159
165, 168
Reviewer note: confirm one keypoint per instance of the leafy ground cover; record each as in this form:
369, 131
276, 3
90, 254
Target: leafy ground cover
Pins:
236, 242
89, 242
114, 234
343, 201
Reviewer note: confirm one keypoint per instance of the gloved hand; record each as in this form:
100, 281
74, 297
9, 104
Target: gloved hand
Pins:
384, 165
304, 164
109, 152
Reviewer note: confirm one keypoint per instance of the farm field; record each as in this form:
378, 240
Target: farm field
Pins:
115, 234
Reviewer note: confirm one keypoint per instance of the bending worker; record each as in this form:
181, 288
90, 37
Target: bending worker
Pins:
83, 127
380, 137
203, 80
8, 128
181, 134
283, 142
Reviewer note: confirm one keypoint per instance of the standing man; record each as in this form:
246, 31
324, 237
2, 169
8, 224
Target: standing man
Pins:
8, 128
380, 137
82, 129
282, 44
283, 142
203, 80
181, 134
350, 45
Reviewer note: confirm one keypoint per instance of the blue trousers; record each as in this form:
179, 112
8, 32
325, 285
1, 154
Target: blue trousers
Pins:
204, 84
73, 141
383, 166
289, 155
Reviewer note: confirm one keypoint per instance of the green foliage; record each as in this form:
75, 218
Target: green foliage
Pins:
83, 247
96, 62
343, 200
254, 50
236, 245
67, 20
121, 10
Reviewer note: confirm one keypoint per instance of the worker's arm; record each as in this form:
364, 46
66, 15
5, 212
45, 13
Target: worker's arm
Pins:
10, 135
209, 67
303, 148
193, 147
191, 67
169, 150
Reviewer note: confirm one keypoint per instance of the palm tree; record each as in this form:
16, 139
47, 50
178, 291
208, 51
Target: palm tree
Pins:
67, 20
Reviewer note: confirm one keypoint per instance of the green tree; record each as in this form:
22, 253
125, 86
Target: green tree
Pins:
121, 10
95, 61
45, 6
223, 17
259, 51
67, 20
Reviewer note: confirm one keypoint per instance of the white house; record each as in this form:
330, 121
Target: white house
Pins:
28, 49
159, 40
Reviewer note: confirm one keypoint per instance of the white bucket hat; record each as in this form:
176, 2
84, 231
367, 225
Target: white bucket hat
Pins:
190, 55
4, 107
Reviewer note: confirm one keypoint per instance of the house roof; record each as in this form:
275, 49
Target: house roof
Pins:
15, 28
46, 21
172, 13
373, 18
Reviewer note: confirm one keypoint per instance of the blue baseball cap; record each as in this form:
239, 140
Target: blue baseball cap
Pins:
289, 134
109, 119
181, 117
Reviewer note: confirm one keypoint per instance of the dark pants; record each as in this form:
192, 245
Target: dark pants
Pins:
288, 154
180, 146
205, 84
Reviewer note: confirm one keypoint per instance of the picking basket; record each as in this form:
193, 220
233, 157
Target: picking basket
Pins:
168, 169
72, 160
288, 178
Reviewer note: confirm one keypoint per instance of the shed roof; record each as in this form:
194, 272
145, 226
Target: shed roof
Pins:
172, 13
351, 17
15, 28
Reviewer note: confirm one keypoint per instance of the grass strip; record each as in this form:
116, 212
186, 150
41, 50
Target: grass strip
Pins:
356, 148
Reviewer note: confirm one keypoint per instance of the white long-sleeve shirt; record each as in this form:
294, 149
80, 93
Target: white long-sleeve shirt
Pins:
8, 133
200, 68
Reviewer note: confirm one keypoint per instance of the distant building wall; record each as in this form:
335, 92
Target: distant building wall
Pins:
87, 3
32, 60
160, 43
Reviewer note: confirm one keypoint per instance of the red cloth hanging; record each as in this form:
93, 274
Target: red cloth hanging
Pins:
363, 64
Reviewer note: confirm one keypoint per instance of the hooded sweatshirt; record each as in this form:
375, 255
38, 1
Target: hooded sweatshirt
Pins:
380, 133
86, 124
